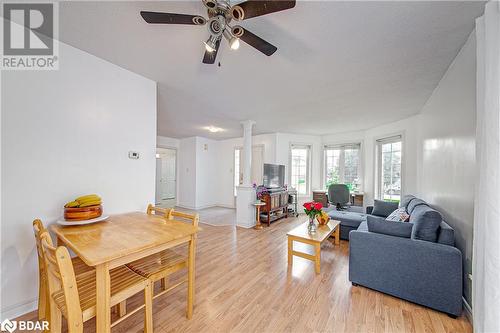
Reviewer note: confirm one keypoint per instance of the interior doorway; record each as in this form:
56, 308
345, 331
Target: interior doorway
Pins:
166, 177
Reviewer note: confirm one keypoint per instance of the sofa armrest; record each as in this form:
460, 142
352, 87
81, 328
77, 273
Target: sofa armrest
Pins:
419, 271
369, 209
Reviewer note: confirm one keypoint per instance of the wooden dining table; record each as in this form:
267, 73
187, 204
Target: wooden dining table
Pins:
121, 239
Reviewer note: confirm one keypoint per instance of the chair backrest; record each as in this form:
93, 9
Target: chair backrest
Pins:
338, 194
61, 276
38, 229
194, 219
152, 210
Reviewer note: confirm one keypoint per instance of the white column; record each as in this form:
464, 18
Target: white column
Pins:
245, 194
247, 151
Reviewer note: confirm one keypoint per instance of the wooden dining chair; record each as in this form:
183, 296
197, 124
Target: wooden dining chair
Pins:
43, 299
159, 266
74, 297
152, 210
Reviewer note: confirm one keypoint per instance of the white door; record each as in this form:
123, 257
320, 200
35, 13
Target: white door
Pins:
166, 177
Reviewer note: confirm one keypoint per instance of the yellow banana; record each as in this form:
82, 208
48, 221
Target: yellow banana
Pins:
72, 204
88, 200
86, 197
90, 203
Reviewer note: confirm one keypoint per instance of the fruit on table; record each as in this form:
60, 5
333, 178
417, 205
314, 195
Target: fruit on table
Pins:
84, 201
323, 217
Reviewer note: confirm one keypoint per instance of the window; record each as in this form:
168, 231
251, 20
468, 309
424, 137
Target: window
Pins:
299, 168
343, 165
389, 152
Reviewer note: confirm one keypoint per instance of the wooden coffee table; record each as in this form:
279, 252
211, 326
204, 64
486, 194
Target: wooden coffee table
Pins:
300, 234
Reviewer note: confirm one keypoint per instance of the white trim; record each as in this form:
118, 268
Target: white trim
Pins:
344, 145
467, 310
378, 140
308, 164
19, 309
176, 170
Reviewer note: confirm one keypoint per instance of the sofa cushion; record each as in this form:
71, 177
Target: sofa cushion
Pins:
346, 218
414, 203
426, 223
398, 229
384, 208
405, 200
446, 234
399, 215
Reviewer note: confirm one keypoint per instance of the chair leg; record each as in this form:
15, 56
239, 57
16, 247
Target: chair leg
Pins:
122, 308
164, 283
148, 308
55, 318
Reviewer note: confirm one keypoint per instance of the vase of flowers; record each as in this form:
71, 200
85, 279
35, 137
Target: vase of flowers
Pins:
260, 191
312, 209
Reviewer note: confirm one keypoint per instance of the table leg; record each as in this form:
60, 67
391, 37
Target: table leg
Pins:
337, 235
258, 226
103, 296
290, 251
190, 299
317, 257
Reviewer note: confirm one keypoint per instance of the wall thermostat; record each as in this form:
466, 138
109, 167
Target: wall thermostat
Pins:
133, 155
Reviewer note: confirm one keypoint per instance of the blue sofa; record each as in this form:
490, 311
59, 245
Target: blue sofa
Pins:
351, 217
426, 272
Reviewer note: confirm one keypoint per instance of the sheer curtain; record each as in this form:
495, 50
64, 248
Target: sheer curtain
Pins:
486, 256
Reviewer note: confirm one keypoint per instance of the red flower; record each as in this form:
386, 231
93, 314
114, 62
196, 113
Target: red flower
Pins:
318, 205
308, 205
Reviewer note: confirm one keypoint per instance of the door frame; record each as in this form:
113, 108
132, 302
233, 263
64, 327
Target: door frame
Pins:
176, 169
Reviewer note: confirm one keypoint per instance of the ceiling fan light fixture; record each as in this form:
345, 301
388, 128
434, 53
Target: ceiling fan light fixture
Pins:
210, 44
234, 42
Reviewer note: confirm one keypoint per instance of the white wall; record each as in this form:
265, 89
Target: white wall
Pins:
207, 186
187, 173
66, 133
166, 142
446, 159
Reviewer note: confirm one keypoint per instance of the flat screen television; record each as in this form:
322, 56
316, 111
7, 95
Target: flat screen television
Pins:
274, 175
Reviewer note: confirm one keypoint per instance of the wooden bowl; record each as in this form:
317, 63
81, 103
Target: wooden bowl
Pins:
81, 214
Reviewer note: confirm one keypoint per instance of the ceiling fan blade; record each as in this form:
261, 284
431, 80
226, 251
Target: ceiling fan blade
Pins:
170, 18
209, 57
254, 8
254, 40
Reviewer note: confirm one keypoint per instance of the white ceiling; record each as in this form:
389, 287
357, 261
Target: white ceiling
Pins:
340, 66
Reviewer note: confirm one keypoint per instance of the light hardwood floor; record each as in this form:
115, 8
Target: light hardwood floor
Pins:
243, 284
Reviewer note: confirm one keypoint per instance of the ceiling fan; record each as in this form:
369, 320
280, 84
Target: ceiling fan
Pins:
220, 15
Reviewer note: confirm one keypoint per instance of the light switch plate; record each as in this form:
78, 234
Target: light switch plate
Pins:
133, 155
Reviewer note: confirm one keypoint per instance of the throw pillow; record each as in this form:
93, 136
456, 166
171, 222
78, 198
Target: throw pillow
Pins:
399, 215
426, 222
384, 208
398, 229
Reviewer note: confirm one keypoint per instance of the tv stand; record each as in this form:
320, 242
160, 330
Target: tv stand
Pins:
276, 205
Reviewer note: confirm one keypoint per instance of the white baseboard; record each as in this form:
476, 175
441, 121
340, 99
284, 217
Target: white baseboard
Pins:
468, 310
205, 206
19, 309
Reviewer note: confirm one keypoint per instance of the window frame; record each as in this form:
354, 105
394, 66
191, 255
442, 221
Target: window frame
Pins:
309, 147
343, 146
378, 142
